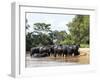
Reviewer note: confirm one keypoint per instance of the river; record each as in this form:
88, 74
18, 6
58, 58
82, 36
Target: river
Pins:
83, 58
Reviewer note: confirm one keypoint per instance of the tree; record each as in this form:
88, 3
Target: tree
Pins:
27, 25
43, 30
28, 37
29, 41
42, 27
59, 36
79, 29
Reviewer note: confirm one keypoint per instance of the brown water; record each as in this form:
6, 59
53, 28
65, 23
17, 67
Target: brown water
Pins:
83, 58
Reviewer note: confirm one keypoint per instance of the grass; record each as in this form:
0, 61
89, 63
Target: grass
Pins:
84, 45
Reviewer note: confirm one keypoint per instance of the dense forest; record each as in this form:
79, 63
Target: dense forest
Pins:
78, 33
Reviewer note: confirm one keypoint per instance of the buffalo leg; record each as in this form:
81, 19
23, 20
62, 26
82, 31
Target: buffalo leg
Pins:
76, 53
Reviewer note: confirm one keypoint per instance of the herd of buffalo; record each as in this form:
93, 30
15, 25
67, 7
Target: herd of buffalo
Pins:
55, 50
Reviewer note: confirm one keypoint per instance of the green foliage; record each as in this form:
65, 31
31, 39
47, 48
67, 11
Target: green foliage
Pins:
27, 25
43, 35
43, 30
79, 29
28, 41
84, 45
42, 27
40, 36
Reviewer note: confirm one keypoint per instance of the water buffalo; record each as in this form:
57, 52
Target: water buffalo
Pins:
55, 50
75, 50
65, 50
40, 55
44, 50
40, 51
51, 49
58, 50
34, 50
71, 49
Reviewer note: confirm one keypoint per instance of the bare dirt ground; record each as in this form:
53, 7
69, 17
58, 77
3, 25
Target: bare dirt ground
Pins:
83, 58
